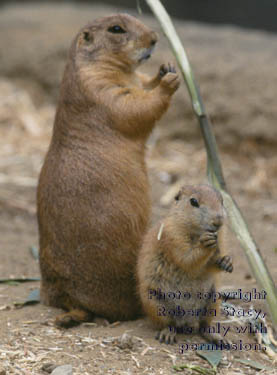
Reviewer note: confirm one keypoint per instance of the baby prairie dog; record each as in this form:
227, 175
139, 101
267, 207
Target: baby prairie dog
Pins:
93, 194
183, 254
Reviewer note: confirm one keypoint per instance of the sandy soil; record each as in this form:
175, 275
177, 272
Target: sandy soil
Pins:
236, 70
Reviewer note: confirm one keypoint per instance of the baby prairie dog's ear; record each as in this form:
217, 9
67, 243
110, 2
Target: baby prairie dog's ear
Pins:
178, 196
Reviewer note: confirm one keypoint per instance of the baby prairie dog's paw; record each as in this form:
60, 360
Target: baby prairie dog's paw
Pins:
209, 239
169, 78
166, 336
225, 263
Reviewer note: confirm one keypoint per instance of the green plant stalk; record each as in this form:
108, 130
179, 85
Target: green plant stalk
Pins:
214, 169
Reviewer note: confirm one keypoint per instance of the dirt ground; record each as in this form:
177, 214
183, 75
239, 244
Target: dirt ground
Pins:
237, 73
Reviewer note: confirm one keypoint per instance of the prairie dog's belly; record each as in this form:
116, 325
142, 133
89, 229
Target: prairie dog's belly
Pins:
99, 208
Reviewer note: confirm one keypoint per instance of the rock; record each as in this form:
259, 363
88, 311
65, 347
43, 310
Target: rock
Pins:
48, 367
125, 341
63, 370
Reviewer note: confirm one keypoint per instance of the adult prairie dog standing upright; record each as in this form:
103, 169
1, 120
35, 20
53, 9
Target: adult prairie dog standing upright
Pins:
181, 258
93, 193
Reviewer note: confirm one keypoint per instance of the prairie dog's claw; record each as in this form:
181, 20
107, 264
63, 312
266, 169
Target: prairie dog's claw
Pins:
169, 68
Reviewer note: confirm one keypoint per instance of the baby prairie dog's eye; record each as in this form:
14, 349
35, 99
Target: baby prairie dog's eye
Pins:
194, 202
116, 30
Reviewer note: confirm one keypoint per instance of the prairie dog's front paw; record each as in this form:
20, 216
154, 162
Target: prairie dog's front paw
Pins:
225, 263
170, 82
164, 69
209, 239
169, 78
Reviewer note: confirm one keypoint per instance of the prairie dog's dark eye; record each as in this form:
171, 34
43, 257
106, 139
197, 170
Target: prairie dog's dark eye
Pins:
116, 29
194, 202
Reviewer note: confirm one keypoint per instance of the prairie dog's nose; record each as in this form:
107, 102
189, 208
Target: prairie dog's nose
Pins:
154, 39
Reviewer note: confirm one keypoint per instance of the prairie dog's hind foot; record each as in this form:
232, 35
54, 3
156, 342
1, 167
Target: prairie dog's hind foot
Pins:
167, 336
73, 318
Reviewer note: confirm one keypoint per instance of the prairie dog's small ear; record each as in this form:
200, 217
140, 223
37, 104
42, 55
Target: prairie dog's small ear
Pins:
85, 38
87, 35
178, 196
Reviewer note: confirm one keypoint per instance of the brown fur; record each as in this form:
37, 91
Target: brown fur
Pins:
183, 255
93, 193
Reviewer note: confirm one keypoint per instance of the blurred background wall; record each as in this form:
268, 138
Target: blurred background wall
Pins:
256, 14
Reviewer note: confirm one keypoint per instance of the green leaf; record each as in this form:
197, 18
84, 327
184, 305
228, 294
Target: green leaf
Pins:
254, 364
212, 356
11, 282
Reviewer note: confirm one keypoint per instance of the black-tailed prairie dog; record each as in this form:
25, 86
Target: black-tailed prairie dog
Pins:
93, 193
178, 263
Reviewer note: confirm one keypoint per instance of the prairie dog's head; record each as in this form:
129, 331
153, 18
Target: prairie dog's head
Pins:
199, 208
119, 36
